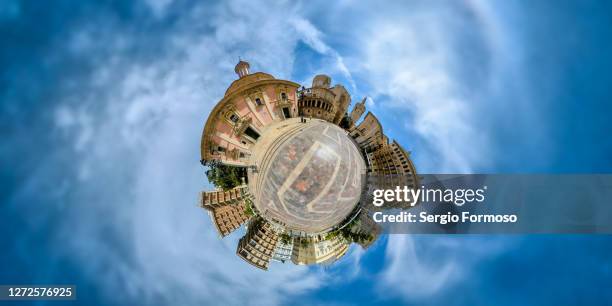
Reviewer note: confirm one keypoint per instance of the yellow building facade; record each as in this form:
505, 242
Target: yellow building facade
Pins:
322, 101
225, 208
258, 245
311, 250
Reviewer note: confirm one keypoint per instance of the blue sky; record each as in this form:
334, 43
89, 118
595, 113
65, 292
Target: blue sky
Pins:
102, 106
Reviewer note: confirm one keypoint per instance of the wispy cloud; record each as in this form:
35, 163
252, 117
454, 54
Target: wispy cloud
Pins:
418, 66
420, 276
411, 62
310, 35
135, 136
425, 267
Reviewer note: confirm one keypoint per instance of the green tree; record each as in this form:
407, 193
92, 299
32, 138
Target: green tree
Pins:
304, 242
248, 208
285, 238
345, 123
224, 176
332, 235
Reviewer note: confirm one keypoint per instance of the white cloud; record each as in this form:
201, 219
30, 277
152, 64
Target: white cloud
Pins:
370, 104
411, 63
416, 65
158, 7
137, 135
443, 66
422, 267
416, 274
311, 36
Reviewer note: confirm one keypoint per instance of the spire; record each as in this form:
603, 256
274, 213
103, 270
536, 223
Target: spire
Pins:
363, 101
357, 111
242, 68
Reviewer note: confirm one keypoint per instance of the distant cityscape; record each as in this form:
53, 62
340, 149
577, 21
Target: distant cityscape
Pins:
291, 164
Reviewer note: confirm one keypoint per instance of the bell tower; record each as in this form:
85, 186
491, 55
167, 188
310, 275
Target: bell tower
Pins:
242, 68
357, 111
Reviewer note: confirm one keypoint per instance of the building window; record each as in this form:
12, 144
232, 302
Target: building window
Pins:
221, 149
234, 118
251, 133
283, 96
258, 102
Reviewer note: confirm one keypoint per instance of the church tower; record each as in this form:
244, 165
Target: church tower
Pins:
357, 111
242, 69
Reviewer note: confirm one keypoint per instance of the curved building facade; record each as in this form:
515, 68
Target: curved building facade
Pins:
250, 103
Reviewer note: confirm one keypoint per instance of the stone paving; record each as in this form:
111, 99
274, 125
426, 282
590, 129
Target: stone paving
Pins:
308, 176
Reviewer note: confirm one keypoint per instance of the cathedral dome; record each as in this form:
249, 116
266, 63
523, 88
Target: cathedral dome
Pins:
246, 80
309, 175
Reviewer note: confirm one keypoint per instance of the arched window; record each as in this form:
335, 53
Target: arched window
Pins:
283, 96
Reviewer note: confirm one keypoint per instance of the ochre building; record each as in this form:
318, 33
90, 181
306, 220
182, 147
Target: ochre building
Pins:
225, 208
251, 102
322, 101
356, 113
258, 245
311, 250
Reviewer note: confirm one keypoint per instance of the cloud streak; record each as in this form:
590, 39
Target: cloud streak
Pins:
313, 38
